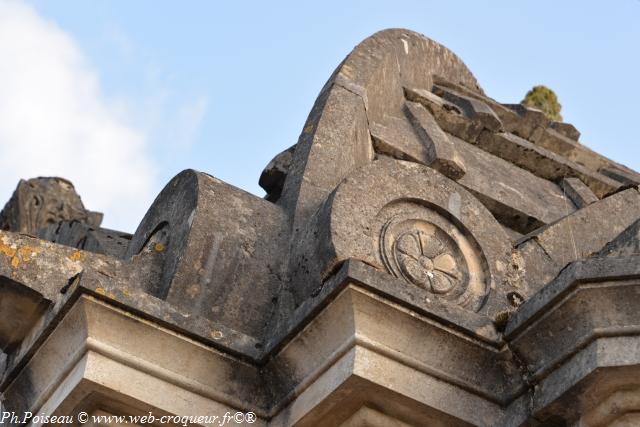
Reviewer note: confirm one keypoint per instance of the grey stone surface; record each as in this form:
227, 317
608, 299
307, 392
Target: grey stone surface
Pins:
516, 197
334, 141
396, 138
566, 129
542, 162
21, 307
532, 122
578, 192
472, 107
84, 236
214, 235
509, 118
442, 155
626, 244
586, 231
578, 153
621, 174
450, 117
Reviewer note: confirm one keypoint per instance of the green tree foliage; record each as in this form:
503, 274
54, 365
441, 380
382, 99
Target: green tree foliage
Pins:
544, 99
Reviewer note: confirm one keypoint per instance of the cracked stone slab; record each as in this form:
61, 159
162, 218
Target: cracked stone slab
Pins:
572, 150
586, 231
542, 162
518, 120
516, 197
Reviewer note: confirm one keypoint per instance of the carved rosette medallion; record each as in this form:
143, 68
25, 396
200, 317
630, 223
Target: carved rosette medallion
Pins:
444, 263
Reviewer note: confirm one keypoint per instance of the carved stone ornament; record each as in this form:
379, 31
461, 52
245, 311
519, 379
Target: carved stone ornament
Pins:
427, 250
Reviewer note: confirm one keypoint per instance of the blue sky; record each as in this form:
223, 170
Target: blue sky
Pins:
223, 87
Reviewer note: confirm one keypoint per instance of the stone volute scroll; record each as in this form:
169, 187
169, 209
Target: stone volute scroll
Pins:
415, 224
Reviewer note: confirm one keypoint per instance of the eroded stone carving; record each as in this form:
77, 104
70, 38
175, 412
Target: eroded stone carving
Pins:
40, 202
426, 249
424, 255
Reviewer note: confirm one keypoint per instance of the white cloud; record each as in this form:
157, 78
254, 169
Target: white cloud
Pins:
54, 121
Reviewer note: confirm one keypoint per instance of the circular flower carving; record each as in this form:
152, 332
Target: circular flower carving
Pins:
422, 253
426, 261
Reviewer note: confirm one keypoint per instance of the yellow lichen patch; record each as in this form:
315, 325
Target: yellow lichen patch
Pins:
125, 292
76, 256
15, 262
159, 247
7, 250
101, 291
26, 253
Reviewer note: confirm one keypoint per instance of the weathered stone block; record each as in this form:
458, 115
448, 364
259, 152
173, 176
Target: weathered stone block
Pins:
441, 153
577, 236
515, 196
566, 129
511, 120
532, 122
335, 140
472, 107
621, 174
450, 117
407, 202
395, 137
626, 244
580, 194
223, 250
83, 236
543, 162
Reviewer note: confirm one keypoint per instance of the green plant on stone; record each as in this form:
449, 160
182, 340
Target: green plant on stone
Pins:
545, 100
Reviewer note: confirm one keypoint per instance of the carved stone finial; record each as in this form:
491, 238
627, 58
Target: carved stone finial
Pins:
40, 202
